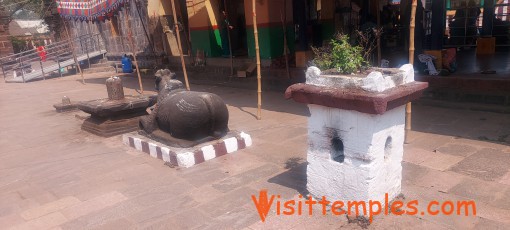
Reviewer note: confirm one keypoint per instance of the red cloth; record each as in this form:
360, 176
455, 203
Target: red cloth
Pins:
42, 53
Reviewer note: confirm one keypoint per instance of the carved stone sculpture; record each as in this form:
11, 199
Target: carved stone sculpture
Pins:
116, 114
65, 106
184, 118
114, 88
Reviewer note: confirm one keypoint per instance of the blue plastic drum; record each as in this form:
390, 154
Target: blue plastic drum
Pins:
127, 65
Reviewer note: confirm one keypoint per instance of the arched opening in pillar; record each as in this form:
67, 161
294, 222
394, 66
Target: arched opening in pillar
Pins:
387, 148
337, 149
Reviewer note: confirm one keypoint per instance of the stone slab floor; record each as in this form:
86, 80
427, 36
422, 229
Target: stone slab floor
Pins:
55, 176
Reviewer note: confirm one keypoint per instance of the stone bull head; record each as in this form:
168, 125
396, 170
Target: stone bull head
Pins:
184, 118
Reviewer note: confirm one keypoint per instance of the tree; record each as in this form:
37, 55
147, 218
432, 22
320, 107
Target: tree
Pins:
23, 7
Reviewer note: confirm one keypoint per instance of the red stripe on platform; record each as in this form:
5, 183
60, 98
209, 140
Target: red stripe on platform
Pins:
199, 156
131, 142
240, 143
159, 153
173, 157
145, 147
220, 148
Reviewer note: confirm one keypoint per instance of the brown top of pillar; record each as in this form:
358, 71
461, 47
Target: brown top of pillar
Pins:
356, 99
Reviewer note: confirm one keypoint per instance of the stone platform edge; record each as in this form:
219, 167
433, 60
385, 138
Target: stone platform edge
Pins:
187, 157
356, 99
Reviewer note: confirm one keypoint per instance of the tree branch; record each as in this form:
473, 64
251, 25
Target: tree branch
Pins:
18, 7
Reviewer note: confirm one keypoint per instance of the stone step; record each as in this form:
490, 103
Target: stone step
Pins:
99, 69
100, 65
469, 96
464, 105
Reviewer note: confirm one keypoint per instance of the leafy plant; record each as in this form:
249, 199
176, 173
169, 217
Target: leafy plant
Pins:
339, 54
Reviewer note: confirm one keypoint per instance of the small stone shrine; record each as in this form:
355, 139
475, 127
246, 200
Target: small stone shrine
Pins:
356, 132
65, 105
116, 114
185, 128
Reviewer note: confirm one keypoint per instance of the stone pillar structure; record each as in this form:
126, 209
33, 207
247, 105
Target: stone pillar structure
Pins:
114, 88
356, 132
269, 23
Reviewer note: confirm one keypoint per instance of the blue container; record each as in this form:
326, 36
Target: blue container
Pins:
127, 65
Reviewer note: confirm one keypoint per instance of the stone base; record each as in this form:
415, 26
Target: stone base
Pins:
65, 107
354, 156
107, 127
187, 157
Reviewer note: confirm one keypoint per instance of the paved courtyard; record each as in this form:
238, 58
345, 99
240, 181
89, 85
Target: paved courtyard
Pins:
53, 175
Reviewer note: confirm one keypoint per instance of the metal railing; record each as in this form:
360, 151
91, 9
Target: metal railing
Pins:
465, 27
32, 64
501, 24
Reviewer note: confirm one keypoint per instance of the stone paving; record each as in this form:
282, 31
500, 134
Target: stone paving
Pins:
56, 176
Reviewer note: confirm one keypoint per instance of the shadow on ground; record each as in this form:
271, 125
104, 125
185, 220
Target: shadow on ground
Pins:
294, 178
272, 101
459, 123
447, 122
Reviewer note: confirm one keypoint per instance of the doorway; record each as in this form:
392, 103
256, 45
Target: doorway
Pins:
237, 18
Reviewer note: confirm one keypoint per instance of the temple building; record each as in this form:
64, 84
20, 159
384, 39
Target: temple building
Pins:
219, 28
5, 43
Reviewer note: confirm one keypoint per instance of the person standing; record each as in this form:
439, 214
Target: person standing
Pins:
224, 33
42, 52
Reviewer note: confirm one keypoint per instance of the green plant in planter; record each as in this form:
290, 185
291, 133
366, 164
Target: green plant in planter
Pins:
339, 54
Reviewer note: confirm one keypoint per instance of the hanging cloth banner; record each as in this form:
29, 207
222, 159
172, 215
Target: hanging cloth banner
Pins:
88, 10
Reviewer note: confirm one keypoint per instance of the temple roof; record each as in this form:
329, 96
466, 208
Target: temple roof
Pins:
89, 10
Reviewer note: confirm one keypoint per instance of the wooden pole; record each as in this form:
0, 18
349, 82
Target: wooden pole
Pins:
72, 51
130, 38
285, 45
411, 31
411, 61
229, 41
257, 54
179, 44
378, 37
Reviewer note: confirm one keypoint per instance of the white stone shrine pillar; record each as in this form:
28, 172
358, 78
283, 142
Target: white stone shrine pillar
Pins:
356, 132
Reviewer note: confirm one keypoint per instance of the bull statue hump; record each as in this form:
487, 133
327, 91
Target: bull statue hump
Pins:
183, 118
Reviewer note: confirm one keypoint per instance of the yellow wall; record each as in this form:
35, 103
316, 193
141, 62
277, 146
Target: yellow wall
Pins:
268, 11
203, 13
159, 7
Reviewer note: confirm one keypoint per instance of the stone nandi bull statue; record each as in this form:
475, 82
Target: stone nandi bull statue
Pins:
184, 118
